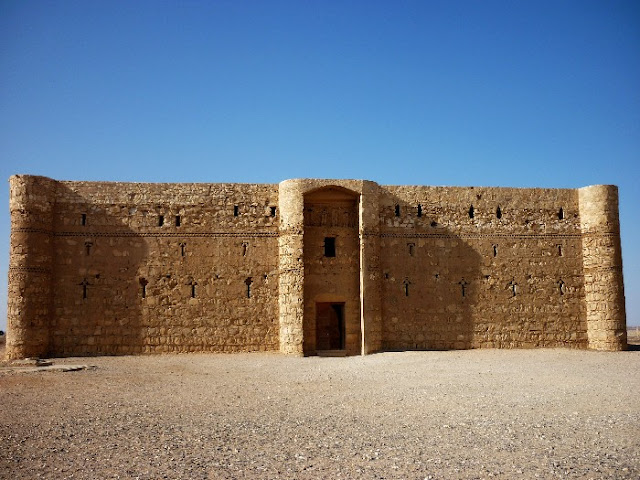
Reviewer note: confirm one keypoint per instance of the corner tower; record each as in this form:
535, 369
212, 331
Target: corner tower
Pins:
602, 265
31, 203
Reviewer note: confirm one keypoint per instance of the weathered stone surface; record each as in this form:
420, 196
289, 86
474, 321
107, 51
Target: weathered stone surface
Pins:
125, 268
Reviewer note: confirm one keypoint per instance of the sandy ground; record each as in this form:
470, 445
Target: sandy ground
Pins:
547, 413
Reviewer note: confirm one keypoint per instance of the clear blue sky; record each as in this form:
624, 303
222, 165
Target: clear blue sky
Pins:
509, 93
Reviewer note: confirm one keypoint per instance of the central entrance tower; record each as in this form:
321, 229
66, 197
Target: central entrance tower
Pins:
329, 272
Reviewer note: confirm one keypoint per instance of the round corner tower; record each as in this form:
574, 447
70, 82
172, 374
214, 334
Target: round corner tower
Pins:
31, 204
602, 264
291, 266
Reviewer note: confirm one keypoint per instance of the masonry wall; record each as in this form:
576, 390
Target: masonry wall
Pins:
122, 268
481, 267
123, 283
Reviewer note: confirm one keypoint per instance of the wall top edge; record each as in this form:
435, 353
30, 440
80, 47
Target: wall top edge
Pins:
26, 176
115, 183
599, 185
322, 181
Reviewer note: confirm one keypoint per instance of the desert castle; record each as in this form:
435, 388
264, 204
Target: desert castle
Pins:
310, 266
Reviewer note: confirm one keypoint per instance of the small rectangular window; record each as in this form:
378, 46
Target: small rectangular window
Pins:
330, 246
177, 220
272, 211
235, 210
83, 219
161, 220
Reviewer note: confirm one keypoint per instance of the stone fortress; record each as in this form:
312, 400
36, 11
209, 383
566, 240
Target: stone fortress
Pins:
310, 267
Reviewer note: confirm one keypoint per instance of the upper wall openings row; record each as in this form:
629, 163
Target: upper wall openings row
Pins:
419, 211
227, 205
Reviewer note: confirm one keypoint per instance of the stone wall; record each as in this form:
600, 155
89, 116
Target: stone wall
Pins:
149, 268
120, 268
481, 267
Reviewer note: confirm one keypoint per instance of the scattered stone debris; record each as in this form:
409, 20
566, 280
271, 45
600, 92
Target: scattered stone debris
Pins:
31, 362
31, 365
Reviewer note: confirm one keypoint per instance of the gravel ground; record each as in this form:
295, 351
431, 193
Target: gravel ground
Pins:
547, 413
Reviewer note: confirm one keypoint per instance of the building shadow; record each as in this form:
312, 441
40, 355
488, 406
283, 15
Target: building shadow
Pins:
431, 278
98, 290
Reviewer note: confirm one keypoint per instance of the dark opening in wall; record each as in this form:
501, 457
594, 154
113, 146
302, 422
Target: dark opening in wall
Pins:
495, 250
412, 248
471, 211
561, 214
245, 246
463, 285
329, 246
235, 210
83, 220
434, 224
193, 288
272, 211
160, 220
248, 283
397, 210
498, 212
178, 220
559, 250
405, 286
419, 210
85, 284
87, 246
143, 284
562, 287
183, 247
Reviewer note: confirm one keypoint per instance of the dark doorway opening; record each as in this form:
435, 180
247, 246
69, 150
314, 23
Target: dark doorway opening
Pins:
329, 326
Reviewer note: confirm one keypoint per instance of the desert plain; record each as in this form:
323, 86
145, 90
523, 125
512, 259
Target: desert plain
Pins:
473, 414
